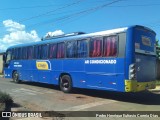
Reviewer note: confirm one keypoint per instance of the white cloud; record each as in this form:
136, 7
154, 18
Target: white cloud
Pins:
2, 47
55, 33
13, 26
20, 37
16, 35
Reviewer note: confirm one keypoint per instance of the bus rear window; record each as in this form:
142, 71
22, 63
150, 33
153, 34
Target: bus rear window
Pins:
144, 41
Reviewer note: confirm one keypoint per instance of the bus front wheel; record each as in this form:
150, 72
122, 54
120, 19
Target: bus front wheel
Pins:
16, 77
66, 84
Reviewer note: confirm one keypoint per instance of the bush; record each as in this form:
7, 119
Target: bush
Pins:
5, 98
158, 82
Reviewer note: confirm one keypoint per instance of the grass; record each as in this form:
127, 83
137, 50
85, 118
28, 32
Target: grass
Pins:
5, 98
158, 82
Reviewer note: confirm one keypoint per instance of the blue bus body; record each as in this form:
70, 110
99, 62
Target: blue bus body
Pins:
132, 69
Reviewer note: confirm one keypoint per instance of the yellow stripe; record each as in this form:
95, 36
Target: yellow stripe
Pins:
134, 86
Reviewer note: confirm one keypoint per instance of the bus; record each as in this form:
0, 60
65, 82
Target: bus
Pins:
121, 59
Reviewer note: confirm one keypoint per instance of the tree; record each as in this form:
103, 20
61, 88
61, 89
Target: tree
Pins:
158, 49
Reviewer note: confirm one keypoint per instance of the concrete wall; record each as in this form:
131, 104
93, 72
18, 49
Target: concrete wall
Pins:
1, 63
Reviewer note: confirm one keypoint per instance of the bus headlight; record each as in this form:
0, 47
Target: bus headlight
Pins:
132, 72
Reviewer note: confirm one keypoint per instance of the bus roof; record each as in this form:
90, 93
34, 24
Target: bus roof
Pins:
81, 36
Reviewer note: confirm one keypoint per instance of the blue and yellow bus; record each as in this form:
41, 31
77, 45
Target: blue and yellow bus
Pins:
122, 59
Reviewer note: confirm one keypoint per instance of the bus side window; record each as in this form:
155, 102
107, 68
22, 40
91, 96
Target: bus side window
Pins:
96, 47
13, 54
37, 52
17, 53
30, 52
60, 50
44, 51
110, 46
52, 51
19, 56
82, 48
71, 48
24, 53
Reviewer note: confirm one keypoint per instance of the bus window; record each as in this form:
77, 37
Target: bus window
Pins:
37, 52
96, 47
13, 54
110, 46
30, 52
44, 51
60, 50
24, 53
8, 56
71, 48
82, 49
17, 53
52, 51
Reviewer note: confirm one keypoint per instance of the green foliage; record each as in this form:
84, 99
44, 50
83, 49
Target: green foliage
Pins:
158, 49
5, 98
158, 82
158, 52
157, 42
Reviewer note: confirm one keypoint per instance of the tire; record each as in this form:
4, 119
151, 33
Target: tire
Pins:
16, 77
66, 84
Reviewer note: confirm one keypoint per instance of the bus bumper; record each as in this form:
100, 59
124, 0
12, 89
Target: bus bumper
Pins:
134, 86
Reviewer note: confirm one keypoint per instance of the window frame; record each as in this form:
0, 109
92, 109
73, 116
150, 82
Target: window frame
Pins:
49, 45
28, 47
66, 43
26, 52
117, 46
63, 50
91, 38
8, 61
39, 55
18, 53
88, 44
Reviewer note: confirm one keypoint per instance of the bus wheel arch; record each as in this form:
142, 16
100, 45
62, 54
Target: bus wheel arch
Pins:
15, 76
65, 82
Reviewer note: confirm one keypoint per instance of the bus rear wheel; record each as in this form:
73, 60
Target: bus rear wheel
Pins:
66, 84
16, 77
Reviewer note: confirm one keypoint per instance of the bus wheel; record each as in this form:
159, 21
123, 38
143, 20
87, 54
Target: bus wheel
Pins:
66, 83
16, 77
